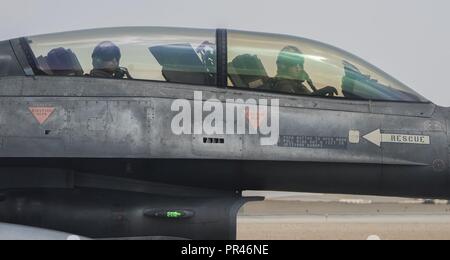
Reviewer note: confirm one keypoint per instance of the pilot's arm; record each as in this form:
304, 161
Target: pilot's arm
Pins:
311, 85
304, 76
326, 91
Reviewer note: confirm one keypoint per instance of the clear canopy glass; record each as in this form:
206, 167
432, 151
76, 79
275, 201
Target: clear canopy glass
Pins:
299, 66
257, 61
147, 53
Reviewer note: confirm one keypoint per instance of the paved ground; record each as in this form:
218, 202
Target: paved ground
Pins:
317, 216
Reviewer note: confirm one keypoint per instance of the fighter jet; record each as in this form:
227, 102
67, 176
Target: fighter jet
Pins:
151, 132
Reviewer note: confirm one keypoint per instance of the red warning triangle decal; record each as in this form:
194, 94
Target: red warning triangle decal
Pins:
42, 113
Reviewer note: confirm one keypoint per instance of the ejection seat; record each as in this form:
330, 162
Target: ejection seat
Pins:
181, 64
247, 71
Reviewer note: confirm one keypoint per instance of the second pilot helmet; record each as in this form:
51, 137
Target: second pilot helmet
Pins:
106, 51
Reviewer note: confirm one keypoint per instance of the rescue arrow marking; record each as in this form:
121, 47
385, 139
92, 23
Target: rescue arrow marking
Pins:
376, 137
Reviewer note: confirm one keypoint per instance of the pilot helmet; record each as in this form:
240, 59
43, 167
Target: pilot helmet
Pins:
105, 52
289, 56
59, 60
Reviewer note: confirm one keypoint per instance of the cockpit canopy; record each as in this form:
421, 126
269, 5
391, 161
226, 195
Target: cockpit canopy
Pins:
161, 54
253, 61
256, 59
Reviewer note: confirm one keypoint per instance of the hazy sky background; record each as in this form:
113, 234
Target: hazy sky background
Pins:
409, 39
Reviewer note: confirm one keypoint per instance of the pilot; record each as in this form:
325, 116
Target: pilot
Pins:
106, 60
291, 75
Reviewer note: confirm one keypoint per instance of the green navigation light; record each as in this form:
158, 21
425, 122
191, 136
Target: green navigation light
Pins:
174, 214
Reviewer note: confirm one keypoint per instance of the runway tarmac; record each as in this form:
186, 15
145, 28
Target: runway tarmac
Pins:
336, 217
